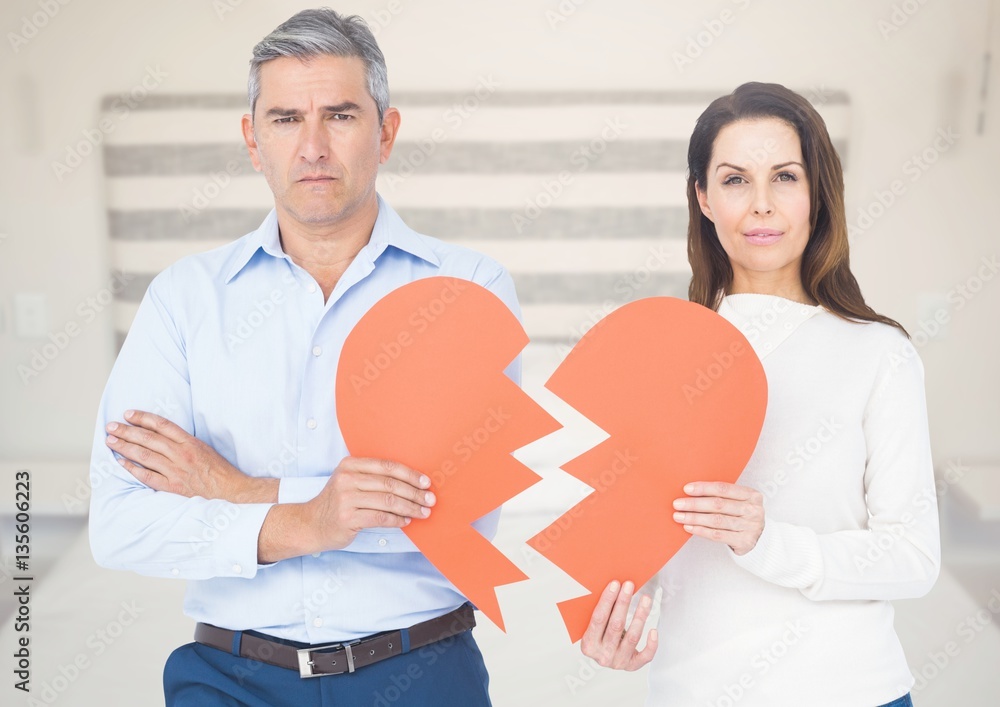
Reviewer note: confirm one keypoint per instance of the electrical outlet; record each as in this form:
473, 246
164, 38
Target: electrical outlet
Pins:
30, 315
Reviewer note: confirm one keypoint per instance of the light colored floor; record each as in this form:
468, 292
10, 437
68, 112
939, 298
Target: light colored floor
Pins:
78, 611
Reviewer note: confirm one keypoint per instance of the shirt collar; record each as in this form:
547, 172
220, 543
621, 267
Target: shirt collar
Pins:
389, 230
265, 237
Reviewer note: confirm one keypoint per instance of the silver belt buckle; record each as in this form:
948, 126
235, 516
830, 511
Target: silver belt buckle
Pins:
306, 664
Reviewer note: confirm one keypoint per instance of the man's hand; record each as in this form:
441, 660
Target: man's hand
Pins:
361, 493
368, 493
166, 458
608, 639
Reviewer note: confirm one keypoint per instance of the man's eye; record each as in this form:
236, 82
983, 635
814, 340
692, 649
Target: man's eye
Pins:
289, 119
342, 116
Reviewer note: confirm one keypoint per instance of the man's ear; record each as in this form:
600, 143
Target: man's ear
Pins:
387, 136
251, 140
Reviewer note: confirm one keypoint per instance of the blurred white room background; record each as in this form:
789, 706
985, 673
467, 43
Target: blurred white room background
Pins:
905, 86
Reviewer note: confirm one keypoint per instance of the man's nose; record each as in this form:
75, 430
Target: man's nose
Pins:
315, 141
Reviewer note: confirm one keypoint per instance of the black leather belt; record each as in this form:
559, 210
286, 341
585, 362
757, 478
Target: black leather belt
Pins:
337, 658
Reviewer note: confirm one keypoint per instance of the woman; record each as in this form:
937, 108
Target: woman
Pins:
781, 597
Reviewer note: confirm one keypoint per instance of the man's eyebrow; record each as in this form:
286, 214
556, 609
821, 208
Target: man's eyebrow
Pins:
282, 112
346, 106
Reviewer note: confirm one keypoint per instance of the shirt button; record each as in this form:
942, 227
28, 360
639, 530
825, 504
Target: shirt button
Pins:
175, 571
317, 622
237, 569
382, 542
317, 350
311, 288
315, 554
311, 423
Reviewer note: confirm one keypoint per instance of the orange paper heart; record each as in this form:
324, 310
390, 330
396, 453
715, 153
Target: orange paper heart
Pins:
678, 388
683, 396
421, 381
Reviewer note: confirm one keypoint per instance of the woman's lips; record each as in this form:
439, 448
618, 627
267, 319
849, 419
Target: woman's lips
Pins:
763, 236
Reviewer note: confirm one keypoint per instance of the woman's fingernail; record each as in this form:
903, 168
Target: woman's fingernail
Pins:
628, 587
689, 488
424, 482
679, 517
424, 511
613, 587
430, 499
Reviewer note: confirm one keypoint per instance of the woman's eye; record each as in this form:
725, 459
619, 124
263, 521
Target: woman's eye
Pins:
787, 177
734, 179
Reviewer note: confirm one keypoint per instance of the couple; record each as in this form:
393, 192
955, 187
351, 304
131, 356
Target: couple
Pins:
780, 598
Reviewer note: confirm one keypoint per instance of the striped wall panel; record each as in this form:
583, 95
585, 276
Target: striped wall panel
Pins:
579, 194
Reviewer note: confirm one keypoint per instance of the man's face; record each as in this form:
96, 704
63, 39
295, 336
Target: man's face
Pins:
315, 134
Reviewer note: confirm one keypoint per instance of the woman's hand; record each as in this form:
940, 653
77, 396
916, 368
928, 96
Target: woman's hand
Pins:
608, 640
166, 458
723, 512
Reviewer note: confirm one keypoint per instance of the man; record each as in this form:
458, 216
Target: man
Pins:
290, 545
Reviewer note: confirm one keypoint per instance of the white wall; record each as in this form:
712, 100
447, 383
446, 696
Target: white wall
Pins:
922, 77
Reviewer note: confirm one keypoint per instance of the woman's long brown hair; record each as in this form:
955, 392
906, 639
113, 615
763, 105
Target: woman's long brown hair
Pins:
826, 272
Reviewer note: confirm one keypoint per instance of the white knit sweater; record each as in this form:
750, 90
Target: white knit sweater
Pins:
851, 522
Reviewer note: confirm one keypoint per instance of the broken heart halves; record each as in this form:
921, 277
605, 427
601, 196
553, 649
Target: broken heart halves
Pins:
677, 387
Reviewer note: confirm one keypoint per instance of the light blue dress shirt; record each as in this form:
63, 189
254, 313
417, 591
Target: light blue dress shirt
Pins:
237, 347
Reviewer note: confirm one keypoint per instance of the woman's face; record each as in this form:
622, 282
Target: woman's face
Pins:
757, 195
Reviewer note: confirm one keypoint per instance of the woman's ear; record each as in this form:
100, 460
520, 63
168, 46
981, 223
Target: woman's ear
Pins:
703, 202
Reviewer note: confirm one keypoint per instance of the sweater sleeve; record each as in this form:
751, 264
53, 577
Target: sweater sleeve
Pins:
898, 554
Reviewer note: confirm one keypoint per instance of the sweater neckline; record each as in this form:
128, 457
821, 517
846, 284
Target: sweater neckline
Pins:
767, 321
752, 303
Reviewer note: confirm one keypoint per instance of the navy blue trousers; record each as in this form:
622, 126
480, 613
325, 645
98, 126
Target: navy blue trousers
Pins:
903, 701
449, 673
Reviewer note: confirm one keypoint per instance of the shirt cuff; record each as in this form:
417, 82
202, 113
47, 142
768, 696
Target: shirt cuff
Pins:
236, 547
379, 540
299, 489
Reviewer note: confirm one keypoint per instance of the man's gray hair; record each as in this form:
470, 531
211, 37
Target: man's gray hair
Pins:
317, 32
